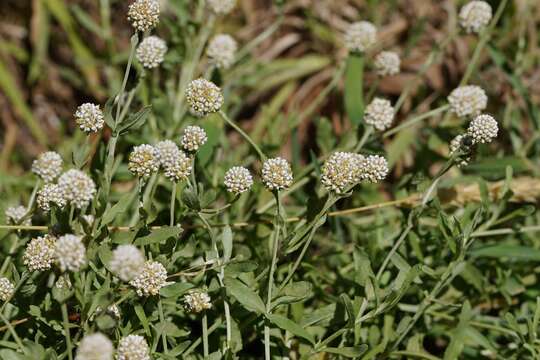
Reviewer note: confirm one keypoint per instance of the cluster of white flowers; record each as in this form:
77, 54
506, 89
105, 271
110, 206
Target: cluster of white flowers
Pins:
15, 215
387, 63
277, 174
379, 114
151, 51
197, 301
143, 160
204, 97
69, 252
77, 188
221, 50
193, 138
150, 278
179, 169
50, 194
468, 100
95, 347
144, 14
48, 166
133, 347
167, 152
360, 36
221, 7
341, 170
475, 16
6, 289
483, 129
127, 261
39, 253
374, 168
89, 117
238, 179
457, 144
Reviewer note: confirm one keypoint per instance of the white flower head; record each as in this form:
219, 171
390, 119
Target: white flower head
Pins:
221, 50
6, 289
167, 152
39, 253
193, 138
69, 252
387, 63
179, 169
204, 97
374, 169
277, 174
221, 7
48, 166
238, 179
144, 14
341, 170
197, 301
89, 117
127, 261
133, 347
468, 100
95, 347
360, 36
151, 52
50, 194
150, 279
143, 160
483, 129
15, 214
457, 144
379, 114
77, 188
475, 16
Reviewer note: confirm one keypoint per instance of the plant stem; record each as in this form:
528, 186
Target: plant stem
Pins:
66, 331
173, 198
162, 320
205, 335
415, 119
196, 343
368, 130
244, 135
13, 333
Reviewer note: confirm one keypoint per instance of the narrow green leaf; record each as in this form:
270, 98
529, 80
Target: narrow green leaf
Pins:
245, 296
159, 235
349, 352
354, 93
290, 326
118, 208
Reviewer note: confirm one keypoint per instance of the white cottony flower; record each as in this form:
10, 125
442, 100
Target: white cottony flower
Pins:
69, 252
483, 129
277, 174
15, 214
50, 194
374, 169
39, 253
341, 170
221, 7
221, 50
151, 51
203, 97
167, 152
133, 347
238, 179
48, 166
127, 261
89, 117
95, 347
151, 277
193, 138
197, 301
77, 187
475, 16
6, 289
468, 100
179, 169
457, 144
360, 36
144, 14
380, 114
143, 160
387, 63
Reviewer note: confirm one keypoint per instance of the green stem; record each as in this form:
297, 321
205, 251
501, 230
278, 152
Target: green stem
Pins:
205, 335
173, 198
119, 99
162, 320
416, 119
66, 331
13, 333
367, 133
197, 342
244, 135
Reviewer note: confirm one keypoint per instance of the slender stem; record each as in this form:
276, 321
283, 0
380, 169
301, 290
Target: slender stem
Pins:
196, 343
413, 120
244, 135
162, 320
205, 335
134, 42
66, 331
173, 198
244, 51
367, 133
109, 164
13, 333
392, 251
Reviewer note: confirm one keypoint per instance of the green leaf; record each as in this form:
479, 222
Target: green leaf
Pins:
293, 292
190, 199
142, 318
159, 235
134, 121
354, 93
290, 326
456, 345
118, 208
244, 295
175, 290
350, 352
510, 252
238, 267
227, 240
